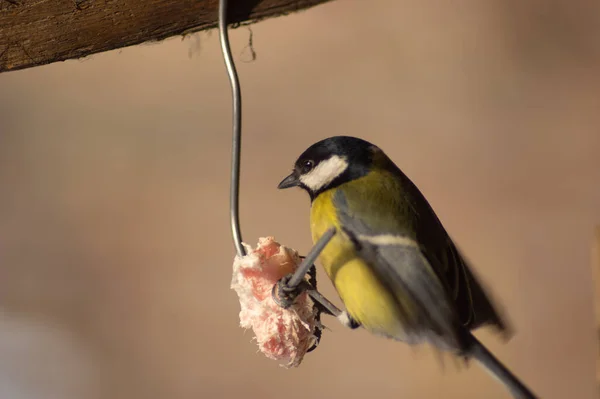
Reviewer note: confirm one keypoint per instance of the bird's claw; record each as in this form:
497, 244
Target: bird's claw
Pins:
283, 295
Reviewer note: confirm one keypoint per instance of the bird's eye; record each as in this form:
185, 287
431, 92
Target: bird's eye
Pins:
307, 166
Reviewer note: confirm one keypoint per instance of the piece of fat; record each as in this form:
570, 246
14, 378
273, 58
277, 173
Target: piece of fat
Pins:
284, 335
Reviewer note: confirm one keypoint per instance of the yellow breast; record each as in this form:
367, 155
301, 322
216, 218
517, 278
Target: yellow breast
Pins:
365, 298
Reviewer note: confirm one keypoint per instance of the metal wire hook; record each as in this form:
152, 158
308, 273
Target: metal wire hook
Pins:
517, 388
234, 193
298, 277
235, 168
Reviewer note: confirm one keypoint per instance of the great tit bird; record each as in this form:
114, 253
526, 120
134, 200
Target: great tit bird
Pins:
396, 269
393, 264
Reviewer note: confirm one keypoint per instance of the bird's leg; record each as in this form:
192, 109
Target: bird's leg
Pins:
289, 287
285, 297
325, 305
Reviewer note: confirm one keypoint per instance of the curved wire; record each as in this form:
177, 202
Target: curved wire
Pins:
480, 352
234, 192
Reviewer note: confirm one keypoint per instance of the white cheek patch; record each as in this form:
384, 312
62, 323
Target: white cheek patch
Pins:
324, 173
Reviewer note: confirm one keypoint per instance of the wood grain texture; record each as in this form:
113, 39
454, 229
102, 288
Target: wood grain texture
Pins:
38, 32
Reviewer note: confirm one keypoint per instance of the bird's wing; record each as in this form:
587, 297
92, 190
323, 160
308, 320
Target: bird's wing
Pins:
472, 302
403, 267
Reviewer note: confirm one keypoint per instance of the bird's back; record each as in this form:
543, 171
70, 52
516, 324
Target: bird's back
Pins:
381, 289
472, 303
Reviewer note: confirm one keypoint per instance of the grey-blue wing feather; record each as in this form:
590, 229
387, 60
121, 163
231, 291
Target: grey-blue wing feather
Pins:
471, 300
427, 309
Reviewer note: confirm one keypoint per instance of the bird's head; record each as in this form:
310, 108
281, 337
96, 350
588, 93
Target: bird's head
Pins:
329, 163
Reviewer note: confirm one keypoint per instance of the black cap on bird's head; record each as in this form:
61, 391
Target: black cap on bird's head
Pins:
329, 163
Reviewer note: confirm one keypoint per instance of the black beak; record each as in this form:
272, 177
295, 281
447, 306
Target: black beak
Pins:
290, 181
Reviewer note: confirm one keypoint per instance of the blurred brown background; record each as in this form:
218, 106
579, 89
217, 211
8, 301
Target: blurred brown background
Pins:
115, 250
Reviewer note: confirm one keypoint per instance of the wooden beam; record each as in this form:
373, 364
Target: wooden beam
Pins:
38, 32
